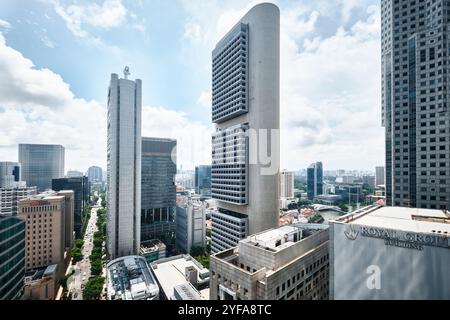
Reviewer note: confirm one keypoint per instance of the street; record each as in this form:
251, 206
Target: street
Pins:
82, 269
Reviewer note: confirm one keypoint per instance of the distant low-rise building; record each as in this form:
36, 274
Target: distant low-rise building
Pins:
41, 283
286, 263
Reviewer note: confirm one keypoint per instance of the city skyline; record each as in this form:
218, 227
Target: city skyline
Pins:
309, 32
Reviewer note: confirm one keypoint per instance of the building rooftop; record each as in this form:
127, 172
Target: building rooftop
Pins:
170, 273
401, 218
150, 246
130, 278
40, 273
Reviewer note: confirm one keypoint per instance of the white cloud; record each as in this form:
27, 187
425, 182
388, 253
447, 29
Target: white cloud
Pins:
4, 25
111, 14
205, 99
193, 138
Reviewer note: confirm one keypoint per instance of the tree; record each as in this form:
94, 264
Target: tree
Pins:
79, 243
96, 267
76, 254
197, 251
93, 288
63, 281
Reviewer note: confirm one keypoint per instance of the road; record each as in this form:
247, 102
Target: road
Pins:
83, 268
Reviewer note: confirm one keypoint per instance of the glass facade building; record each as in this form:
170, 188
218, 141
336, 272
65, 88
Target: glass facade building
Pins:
12, 258
314, 180
203, 180
158, 191
40, 164
81, 188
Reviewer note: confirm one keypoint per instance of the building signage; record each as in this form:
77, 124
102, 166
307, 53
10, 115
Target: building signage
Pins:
409, 240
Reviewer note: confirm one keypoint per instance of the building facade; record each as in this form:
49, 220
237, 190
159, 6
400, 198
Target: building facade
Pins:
40, 164
314, 180
124, 166
203, 181
158, 204
379, 176
246, 85
46, 216
191, 226
390, 253
287, 263
287, 184
415, 106
11, 175
12, 258
81, 188
95, 174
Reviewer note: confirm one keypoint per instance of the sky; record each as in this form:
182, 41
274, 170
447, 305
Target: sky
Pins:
56, 58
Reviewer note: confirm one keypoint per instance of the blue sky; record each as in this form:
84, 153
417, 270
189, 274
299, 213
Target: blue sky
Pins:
57, 55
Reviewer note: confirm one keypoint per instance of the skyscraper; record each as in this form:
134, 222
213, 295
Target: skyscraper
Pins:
203, 180
80, 187
379, 176
10, 175
246, 74
415, 106
287, 184
124, 166
314, 180
95, 174
41, 163
158, 204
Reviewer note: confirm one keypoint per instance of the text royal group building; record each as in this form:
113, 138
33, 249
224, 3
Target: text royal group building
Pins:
390, 253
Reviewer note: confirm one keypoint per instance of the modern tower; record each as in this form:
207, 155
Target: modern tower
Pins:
287, 184
203, 180
314, 180
95, 174
246, 92
415, 102
124, 166
41, 163
158, 203
379, 176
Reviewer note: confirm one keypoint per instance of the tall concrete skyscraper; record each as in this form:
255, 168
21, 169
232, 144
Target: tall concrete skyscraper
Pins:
287, 184
379, 176
41, 163
415, 102
124, 166
246, 92
314, 180
95, 174
158, 203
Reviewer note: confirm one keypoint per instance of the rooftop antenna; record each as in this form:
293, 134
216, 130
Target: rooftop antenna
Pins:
126, 72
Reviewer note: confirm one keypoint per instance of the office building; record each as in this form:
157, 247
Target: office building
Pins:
314, 180
203, 181
287, 184
415, 105
245, 104
124, 166
81, 189
95, 174
41, 283
130, 278
11, 175
379, 176
158, 200
47, 235
12, 258
190, 225
179, 274
369, 182
390, 253
286, 263
40, 164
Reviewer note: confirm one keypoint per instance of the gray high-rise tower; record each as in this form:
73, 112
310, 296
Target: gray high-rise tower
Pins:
124, 166
246, 92
41, 163
415, 106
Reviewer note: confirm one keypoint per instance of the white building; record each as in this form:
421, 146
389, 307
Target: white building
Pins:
287, 184
130, 278
190, 225
285, 263
124, 166
179, 274
246, 94
379, 176
391, 253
